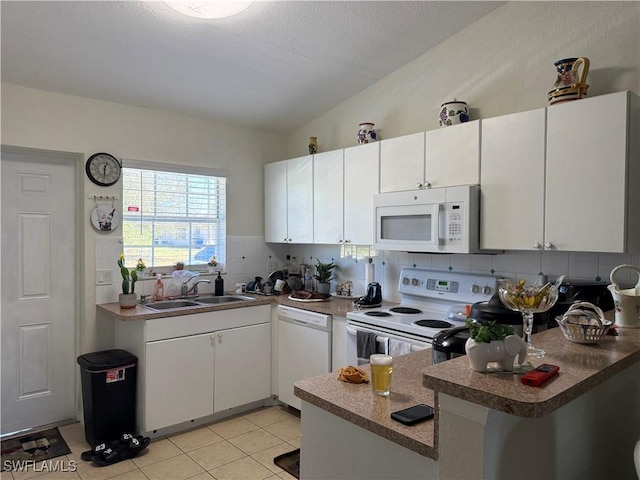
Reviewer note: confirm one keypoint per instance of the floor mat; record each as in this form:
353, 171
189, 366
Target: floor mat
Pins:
33, 447
289, 462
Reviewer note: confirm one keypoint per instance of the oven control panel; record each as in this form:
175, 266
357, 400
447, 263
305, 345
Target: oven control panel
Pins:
458, 287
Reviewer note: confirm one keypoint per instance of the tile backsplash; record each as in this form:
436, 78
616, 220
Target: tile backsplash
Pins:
248, 257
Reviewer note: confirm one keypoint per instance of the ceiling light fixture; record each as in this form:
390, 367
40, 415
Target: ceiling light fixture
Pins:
210, 9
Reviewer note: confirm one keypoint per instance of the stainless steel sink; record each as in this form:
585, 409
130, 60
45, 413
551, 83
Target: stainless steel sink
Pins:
223, 299
171, 304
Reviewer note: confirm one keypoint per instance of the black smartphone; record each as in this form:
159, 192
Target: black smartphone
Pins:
412, 415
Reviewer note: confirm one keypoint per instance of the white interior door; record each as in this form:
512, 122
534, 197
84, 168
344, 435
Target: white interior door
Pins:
38, 288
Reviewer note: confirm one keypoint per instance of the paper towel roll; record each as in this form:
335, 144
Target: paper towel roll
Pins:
369, 273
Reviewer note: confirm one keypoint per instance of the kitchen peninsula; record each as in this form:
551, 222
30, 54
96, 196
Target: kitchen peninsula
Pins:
582, 424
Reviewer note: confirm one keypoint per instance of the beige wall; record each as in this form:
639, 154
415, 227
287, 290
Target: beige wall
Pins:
501, 64
52, 121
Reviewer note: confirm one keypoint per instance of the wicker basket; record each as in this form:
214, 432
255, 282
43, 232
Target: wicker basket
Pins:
583, 323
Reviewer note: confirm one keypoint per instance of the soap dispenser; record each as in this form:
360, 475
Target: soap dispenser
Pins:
219, 286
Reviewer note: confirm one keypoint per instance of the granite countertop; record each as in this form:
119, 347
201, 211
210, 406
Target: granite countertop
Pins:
357, 404
336, 306
582, 367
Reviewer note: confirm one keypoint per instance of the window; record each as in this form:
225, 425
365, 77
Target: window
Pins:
173, 216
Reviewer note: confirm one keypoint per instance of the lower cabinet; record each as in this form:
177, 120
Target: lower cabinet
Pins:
193, 366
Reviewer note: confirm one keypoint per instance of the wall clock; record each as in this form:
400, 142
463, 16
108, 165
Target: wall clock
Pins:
103, 169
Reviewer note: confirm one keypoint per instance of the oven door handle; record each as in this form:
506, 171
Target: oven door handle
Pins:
351, 331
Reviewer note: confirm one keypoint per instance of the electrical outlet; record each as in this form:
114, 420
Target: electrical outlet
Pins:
272, 266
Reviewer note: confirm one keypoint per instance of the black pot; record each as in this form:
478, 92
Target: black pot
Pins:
449, 344
495, 310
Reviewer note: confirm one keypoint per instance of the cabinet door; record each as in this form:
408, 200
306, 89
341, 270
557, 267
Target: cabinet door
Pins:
178, 380
586, 174
242, 366
275, 202
361, 180
512, 180
328, 192
452, 155
402, 163
300, 200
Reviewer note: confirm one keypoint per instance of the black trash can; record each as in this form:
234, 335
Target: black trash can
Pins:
108, 394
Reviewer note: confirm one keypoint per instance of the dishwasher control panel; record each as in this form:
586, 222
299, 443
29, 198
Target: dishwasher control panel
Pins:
304, 317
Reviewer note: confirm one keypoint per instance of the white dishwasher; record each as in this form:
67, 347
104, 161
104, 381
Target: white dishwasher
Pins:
304, 349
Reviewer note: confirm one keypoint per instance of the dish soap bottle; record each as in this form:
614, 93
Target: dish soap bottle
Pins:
219, 286
158, 292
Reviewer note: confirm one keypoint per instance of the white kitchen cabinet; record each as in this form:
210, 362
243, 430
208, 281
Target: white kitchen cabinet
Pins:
179, 380
361, 183
593, 174
242, 366
402, 163
576, 190
512, 181
289, 201
328, 197
193, 366
452, 155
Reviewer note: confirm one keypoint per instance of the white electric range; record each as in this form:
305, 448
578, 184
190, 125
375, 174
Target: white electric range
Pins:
426, 298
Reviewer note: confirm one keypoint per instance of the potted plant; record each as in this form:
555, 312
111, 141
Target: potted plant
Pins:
141, 267
213, 265
128, 297
490, 341
178, 266
323, 276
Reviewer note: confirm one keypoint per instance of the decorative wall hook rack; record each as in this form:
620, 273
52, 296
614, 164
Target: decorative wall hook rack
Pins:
103, 197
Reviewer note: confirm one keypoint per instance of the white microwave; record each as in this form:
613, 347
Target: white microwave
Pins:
437, 220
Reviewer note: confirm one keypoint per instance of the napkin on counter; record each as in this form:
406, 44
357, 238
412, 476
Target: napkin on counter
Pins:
352, 374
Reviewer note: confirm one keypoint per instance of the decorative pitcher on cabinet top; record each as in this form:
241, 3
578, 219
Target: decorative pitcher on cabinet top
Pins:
366, 133
571, 81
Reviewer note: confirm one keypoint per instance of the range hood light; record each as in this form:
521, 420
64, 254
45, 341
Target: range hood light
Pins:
209, 9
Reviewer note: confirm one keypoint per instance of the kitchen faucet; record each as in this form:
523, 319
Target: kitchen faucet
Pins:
185, 290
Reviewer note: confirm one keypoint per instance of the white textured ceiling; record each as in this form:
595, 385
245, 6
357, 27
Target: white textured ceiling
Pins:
275, 66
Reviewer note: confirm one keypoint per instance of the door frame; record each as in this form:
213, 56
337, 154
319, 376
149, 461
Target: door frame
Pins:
75, 159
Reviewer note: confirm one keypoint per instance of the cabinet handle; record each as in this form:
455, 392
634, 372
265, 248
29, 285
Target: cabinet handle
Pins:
289, 240
548, 245
419, 185
347, 241
427, 185
536, 245
284, 240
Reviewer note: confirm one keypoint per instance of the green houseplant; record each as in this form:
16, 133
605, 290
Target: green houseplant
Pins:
127, 298
489, 342
323, 276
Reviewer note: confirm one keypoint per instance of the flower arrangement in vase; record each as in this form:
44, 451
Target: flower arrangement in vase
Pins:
128, 297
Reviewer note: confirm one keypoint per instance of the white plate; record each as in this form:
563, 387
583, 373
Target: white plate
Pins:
307, 300
105, 218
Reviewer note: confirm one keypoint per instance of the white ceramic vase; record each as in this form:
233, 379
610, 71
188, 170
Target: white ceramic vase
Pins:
453, 113
366, 134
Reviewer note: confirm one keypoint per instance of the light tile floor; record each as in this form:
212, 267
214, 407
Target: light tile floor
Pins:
241, 447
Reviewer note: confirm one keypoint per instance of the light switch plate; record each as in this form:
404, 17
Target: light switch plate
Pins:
103, 277
272, 266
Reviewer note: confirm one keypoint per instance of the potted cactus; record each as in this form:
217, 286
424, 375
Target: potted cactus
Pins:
128, 297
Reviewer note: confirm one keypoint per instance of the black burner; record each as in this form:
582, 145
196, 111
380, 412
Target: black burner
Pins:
378, 314
405, 310
433, 323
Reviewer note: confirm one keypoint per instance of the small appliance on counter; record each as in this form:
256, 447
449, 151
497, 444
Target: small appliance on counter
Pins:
373, 297
495, 310
448, 344
571, 291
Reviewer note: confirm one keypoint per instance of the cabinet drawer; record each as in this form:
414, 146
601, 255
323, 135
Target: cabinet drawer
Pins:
197, 323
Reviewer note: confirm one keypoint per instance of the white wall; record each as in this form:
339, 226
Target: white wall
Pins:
39, 119
501, 64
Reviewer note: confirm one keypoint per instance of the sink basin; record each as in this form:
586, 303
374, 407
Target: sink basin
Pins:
170, 304
223, 299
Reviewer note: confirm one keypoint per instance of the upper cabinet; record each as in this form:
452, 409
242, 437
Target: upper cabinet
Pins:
593, 174
452, 155
402, 163
289, 201
445, 157
575, 192
361, 183
328, 197
512, 181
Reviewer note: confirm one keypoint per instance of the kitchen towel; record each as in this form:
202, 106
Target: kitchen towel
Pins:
369, 273
366, 346
398, 347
